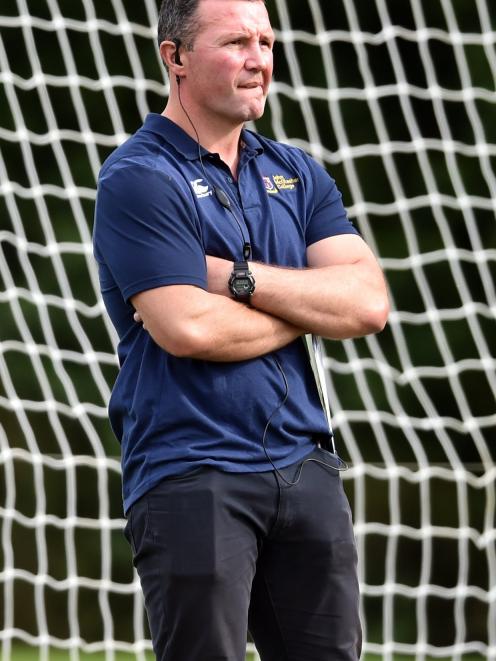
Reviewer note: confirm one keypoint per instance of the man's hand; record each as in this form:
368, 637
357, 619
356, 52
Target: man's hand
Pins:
137, 318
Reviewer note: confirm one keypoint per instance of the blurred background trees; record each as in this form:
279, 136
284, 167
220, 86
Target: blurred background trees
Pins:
414, 162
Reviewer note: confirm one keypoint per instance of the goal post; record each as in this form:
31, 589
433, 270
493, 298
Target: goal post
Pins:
397, 100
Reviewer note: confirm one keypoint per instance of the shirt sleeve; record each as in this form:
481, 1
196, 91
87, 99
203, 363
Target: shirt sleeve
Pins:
326, 213
146, 232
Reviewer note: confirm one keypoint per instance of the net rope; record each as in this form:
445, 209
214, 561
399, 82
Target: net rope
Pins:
398, 104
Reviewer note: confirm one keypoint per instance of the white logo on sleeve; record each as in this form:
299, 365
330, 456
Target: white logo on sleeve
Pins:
199, 189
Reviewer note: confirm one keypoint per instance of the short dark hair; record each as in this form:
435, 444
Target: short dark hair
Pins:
176, 20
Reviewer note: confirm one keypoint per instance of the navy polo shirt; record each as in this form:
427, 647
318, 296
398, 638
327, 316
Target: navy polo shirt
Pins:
156, 219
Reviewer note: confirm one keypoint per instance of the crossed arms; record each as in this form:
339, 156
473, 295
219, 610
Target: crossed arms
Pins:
342, 294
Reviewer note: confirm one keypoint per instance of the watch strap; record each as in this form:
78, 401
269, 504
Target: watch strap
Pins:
241, 270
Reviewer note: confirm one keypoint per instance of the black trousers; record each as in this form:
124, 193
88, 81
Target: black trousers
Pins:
219, 553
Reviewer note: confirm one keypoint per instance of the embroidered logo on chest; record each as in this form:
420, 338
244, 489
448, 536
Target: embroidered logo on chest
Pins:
200, 190
279, 182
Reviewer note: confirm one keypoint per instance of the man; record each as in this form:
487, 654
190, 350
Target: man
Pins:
229, 247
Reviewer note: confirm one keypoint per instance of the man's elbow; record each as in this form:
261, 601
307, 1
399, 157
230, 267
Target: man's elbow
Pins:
375, 315
190, 342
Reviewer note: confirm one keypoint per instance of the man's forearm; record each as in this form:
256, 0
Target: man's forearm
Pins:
210, 327
337, 302
235, 332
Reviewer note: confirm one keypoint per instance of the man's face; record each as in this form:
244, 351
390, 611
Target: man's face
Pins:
230, 67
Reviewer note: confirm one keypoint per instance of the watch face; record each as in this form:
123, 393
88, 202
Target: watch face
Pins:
242, 284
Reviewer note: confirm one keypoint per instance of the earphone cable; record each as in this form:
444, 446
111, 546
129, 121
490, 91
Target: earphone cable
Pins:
342, 464
226, 205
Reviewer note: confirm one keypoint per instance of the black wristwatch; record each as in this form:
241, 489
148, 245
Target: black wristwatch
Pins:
241, 282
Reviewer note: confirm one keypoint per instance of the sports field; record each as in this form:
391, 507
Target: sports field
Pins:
24, 653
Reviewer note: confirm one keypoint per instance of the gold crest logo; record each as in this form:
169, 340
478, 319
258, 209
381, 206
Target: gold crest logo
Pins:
269, 185
284, 183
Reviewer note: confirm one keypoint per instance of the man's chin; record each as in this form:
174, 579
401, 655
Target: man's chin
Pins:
245, 113
255, 111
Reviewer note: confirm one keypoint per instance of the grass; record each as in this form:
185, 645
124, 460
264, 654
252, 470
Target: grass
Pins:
26, 653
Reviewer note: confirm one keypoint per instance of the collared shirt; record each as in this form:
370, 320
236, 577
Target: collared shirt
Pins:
156, 218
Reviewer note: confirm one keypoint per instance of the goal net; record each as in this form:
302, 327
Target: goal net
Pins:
397, 100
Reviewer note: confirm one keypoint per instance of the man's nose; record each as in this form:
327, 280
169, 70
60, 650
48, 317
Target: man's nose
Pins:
257, 58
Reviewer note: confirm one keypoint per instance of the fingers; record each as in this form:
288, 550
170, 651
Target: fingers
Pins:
137, 318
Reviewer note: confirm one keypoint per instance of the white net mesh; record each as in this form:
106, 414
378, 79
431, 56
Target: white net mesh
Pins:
398, 100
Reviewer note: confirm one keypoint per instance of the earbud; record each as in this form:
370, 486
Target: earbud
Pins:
177, 57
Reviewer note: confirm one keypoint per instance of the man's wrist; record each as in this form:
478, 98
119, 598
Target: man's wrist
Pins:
241, 282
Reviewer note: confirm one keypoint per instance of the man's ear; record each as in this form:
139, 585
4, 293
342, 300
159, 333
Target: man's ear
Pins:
169, 52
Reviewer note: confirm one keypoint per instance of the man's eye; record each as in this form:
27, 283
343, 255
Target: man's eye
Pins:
266, 43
